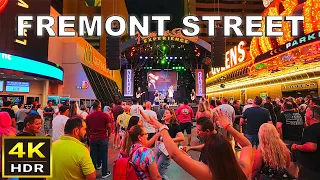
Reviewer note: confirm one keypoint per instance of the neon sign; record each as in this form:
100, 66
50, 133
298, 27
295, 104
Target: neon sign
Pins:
174, 35
3, 4
232, 57
128, 85
200, 82
200, 86
16, 63
304, 39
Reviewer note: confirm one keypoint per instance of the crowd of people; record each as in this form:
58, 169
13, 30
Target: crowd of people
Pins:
264, 139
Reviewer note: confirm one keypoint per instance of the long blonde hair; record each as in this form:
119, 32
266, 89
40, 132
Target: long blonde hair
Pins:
273, 150
202, 107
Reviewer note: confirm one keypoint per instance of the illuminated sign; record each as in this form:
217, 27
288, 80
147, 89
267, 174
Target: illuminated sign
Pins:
84, 85
174, 35
26, 157
304, 39
293, 87
128, 82
232, 57
235, 55
3, 4
28, 45
17, 63
93, 60
200, 84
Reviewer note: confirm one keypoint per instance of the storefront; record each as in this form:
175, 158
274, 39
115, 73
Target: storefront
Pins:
87, 77
279, 67
26, 72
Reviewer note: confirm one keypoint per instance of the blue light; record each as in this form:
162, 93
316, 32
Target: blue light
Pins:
17, 63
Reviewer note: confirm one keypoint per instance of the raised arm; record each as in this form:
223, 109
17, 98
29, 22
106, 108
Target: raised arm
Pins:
246, 152
195, 168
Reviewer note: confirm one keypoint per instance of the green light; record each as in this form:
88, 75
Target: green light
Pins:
173, 67
163, 48
163, 61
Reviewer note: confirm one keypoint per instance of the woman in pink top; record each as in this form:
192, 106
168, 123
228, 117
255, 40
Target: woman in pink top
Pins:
5, 130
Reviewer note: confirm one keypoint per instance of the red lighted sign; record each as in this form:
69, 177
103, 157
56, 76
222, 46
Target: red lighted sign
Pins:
3, 4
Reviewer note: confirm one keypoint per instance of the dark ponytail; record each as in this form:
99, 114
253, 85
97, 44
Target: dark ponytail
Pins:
131, 136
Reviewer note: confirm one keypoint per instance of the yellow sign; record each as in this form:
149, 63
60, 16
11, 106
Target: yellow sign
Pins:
26, 157
234, 56
174, 35
302, 86
93, 60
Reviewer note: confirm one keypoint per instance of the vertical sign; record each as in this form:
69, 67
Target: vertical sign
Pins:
128, 83
200, 83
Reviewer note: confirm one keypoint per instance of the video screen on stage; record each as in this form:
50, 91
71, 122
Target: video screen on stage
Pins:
162, 80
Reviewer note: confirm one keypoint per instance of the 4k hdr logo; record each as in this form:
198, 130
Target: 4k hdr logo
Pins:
3, 4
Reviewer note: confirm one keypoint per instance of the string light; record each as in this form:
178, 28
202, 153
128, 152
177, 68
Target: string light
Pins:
289, 6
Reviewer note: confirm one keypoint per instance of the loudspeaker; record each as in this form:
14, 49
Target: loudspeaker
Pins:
218, 46
113, 52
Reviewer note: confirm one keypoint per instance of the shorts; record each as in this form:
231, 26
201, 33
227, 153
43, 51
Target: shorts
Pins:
122, 131
254, 140
20, 126
47, 123
295, 154
186, 126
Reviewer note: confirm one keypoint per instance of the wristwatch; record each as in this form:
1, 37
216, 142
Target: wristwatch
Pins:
163, 127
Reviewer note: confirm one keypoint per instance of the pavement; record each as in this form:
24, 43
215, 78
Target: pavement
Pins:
175, 172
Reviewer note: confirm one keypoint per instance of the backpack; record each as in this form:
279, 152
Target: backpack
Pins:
123, 169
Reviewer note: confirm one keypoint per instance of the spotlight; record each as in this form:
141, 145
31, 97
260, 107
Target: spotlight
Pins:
171, 57
151, 57
146, 57
166, 58
175, 58
140, 57
180, 57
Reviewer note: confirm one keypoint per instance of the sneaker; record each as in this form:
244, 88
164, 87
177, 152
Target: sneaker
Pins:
237, 148
108, 174
100, 167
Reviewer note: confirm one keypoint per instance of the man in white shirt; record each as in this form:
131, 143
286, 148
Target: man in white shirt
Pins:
170, 92
229, 110
135, 108
59, 122
149, 128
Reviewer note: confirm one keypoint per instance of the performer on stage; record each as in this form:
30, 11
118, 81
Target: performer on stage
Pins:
193, 96
156, 98
170, 92
139, 94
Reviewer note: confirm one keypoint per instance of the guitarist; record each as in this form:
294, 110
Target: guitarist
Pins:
193, 96
139, 94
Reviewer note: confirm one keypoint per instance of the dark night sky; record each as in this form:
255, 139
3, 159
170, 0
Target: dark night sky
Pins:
175, 8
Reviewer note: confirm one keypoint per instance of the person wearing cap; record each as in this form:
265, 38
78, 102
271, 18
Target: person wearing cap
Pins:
185, 114
59, 122
249, 105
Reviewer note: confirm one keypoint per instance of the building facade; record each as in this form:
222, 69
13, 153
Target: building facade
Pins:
240, 8
276, 67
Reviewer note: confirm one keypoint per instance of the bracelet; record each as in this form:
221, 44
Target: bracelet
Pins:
226, 126
163, 127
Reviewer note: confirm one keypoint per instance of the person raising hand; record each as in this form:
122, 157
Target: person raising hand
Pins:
221, 158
